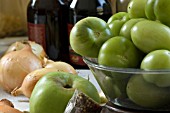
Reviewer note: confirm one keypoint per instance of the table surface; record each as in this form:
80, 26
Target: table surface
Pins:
22, 102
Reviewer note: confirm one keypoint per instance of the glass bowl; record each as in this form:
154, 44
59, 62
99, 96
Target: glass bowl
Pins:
128, 88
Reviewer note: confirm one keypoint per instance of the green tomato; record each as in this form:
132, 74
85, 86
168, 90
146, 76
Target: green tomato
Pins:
118, 16
146, 94
116, 21
150, 35
158, 59
126, 28
136, 8
88, 35
161, 10
149, 9
116, 26
119, 52
112, 84
54, 90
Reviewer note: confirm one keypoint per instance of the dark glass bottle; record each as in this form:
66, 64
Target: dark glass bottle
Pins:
80, 9
47, 25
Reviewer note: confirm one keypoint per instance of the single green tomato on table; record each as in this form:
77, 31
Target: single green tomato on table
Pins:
88, 35
116, 21
157, 60
54, 90
119, 52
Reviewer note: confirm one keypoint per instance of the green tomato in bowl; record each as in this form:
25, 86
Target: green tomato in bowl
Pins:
146, 94
161, 11
157, 60
150, 35
136, 8
149, 9
126, 28
116, 21
88, 35
122, 16
119, 52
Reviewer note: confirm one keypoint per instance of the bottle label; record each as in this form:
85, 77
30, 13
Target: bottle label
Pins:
74, 57
36, 32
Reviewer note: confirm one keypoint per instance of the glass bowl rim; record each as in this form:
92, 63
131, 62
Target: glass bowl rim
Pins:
93, 64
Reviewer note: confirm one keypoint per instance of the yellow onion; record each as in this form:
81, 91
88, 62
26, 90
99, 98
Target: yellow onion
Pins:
62, 66
15, 65
47, 61
30, 81
32, 78
37, 49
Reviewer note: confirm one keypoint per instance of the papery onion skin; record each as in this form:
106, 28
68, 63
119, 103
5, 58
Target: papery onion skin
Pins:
47, 61
38, 50
30, 81
62, 66
15, 65
6, 102
15, 47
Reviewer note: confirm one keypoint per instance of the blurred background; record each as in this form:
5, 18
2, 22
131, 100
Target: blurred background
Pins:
13, 17
13, 22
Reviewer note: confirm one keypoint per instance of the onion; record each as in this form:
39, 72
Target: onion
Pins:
30, 81
15, 47
62, 66
37, 49
7, 107
15, 65
32, 78
47, 61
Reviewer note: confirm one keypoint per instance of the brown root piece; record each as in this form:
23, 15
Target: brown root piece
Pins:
84, 104
6, 102
6, 106
81, 103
